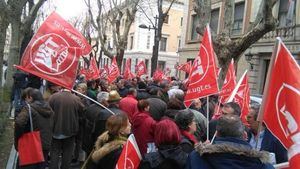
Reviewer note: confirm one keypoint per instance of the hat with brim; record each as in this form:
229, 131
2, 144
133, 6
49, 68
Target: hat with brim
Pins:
114, 96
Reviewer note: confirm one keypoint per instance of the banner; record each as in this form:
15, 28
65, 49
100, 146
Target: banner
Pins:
113, 71
229, 83
127, 72
186, 67
53, 52
203, 75
241, 96
130, 157
140, 69
158, 75
281, 102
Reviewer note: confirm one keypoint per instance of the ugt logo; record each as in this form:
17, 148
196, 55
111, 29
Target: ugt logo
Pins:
200, 66
50, 55
287, 116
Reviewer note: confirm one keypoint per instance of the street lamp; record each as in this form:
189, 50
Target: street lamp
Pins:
248, 57
154, 58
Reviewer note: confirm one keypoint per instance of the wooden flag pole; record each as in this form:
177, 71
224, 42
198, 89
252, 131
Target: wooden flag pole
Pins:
207, 118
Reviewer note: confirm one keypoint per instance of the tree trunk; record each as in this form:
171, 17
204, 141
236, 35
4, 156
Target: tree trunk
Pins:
14, 50
120, 56
3, 28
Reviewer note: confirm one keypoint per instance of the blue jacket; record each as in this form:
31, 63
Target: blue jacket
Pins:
272, 144
227, 153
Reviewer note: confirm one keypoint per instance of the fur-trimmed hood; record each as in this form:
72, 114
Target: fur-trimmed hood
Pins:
103, 146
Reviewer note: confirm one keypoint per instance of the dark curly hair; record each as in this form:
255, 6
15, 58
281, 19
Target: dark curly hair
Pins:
183, 119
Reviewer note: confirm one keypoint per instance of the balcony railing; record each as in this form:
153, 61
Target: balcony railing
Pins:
286, 33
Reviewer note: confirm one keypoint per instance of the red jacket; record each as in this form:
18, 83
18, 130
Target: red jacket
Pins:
143, 129
129, 105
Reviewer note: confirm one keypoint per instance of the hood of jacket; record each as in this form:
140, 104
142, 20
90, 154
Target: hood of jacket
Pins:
42, 108
232, 152
167, 152
103, 146
140, 118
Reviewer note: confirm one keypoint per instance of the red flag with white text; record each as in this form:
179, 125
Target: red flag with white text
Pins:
127, 72
130, 157
281, 103
229, 83
53, 52
241, 96
113, 71
186, 67
158, 75
104, 72
140, 69
93, 72
203, 75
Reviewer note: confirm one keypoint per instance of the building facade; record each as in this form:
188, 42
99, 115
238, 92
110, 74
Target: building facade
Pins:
245, 12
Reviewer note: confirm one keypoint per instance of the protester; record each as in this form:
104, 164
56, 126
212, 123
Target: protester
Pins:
264, 139
173, 107
157, 106
142, 91
129, 103
51, 88
143, 126
169, 154
229, 150
92, 115
109, 145
122, 90
164, 92
67, 109
92, 89
42, 120
201, 125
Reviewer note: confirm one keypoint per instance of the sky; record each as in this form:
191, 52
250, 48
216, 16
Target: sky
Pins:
69, 8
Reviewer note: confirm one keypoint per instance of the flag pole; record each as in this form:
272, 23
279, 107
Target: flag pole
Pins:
207, 118
266, 90
93, 101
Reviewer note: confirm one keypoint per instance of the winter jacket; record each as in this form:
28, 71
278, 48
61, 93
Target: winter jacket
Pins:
42, 120
129, 105
143, 130
123, 92
142, 94
107, 151
157, 108
228, 153
272, 144
67, 109
188, 141
167, 157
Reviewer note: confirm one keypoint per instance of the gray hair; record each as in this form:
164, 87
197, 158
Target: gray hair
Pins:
230, 126
102, 96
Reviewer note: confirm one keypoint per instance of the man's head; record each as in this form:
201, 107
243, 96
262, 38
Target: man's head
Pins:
102, 97
252, 116
231, 108
132, 91
230, 126
81, 88
121, 84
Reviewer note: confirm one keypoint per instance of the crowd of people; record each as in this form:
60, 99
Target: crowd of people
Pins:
76, 130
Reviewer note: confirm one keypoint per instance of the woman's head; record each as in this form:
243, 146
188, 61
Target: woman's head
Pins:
118, 124
185, 120
166, 133
143, 105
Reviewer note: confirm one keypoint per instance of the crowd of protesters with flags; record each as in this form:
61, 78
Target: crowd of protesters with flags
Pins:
105, 119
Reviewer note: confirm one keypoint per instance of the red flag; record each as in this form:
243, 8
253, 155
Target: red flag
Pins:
104, 72
203, 76
229, 83
281, 102
186, 67
53, 52
241, 96
127, 72
130, 157
113, 71
158, 75
93, 71
140, 69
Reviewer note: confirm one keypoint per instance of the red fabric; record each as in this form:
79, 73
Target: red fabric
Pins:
143, 130
30, 148
127, 72
113, 71
158, 75
203, 76
140, 69
53, 52
189, 136
186, 67
129, 105
281, 103
229, 83
130, 156
104, 72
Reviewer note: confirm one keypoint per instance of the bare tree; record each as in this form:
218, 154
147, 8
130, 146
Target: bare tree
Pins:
111, 14
226, 47
21, 15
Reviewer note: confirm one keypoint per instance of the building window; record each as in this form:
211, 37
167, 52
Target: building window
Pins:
161, 65
123, 64
214, 20
181, 21
148, 42
163, 44
195, 22
166, 20
286, 12
238, 18
147, 63
179, 43
131, 42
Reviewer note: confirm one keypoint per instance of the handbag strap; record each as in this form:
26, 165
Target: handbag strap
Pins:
30, 117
